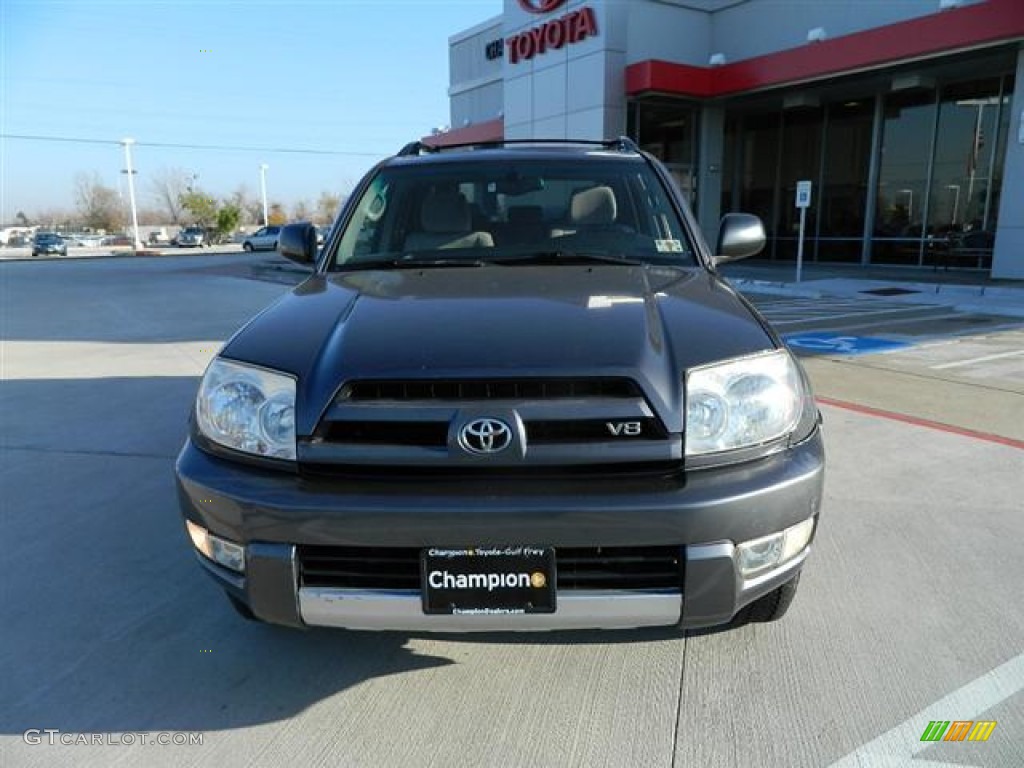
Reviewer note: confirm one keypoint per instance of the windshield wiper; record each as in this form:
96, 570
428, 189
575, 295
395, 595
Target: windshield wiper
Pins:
565, 257
403, 263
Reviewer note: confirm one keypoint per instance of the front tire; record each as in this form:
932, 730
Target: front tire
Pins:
247, 247
772, 606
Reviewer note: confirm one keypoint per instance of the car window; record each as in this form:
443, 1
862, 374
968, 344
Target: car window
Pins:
508, 208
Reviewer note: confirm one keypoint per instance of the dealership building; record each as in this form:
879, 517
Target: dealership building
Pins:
905, 115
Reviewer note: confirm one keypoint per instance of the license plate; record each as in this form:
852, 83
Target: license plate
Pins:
488, 580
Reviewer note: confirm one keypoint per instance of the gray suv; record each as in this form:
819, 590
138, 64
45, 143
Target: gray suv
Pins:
513, 394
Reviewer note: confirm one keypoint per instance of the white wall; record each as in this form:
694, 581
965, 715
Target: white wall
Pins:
576, 91
475, 91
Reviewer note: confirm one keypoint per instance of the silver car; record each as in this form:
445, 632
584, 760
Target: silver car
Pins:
263, 239
191, 237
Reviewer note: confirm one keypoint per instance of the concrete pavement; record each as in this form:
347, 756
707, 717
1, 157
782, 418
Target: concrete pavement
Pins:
911, 599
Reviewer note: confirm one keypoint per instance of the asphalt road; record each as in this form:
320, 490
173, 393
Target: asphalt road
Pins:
910, 609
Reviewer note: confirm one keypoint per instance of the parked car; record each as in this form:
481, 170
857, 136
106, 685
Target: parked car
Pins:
263, 239
515, 393
49, 243
191, 237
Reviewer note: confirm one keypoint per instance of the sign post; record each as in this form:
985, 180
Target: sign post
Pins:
803, 202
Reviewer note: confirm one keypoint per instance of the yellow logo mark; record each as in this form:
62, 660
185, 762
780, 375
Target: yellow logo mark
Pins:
982, 730
538, 579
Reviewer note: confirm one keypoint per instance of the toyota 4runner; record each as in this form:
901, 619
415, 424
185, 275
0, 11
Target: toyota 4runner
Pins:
513, 394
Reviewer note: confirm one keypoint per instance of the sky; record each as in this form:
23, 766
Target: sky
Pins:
352, 80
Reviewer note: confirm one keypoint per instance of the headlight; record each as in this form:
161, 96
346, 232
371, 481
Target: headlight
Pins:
247, 408
742, 403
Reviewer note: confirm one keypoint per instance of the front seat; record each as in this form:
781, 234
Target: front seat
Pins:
446, 222
592, 211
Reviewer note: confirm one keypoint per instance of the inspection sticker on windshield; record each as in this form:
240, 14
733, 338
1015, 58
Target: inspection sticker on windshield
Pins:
668, 246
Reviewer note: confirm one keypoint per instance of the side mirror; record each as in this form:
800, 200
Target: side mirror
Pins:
298, 242
739, 235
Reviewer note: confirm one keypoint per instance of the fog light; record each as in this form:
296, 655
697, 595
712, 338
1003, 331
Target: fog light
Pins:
221, 551
759, 555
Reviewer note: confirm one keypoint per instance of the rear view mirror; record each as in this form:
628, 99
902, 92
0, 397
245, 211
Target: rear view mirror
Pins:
740, 235
298, 242
514, 185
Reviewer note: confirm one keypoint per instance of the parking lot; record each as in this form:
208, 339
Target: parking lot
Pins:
910, 608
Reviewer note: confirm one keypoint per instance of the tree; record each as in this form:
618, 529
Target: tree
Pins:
99, 206
300, 211
151, 217
276, 215
201, 207
56, 219
21, 219
327, 208
169, 186
251, 211
227, 220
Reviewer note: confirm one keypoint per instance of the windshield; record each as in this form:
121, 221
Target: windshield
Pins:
508, 211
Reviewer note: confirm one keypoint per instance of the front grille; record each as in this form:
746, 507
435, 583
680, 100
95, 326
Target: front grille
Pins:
487, 389
434, 434
592, 568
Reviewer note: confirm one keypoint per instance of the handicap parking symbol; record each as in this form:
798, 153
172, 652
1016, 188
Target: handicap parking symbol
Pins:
832, 344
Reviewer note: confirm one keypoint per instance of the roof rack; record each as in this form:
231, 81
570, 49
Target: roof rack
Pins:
622, 143
415, 148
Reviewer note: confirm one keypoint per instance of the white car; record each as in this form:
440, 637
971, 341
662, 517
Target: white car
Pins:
263, 239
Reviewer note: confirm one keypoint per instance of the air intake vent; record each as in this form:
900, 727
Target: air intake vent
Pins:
487, 389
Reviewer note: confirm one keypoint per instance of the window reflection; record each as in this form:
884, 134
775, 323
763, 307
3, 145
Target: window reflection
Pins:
909, 121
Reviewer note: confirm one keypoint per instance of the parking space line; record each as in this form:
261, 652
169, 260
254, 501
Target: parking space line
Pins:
917, 309
973, 360
868, 410
896, 747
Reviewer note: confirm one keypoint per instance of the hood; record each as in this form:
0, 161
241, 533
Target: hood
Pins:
647, 323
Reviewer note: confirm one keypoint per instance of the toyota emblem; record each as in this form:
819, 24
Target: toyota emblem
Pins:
541, 6
482, 436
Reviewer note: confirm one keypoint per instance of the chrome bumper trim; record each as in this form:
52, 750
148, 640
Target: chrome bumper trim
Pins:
403, 611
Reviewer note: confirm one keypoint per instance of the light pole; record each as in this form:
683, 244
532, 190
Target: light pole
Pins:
263, 189
910, 203
131, 190
956, 200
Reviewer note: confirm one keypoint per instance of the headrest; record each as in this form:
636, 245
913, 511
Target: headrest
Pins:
593, 207
445, 212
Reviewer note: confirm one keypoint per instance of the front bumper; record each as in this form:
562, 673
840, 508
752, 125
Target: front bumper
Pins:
706, 514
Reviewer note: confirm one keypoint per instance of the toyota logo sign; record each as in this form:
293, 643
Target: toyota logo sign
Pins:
482, 436
541, 6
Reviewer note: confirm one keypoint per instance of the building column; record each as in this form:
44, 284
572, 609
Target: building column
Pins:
709, 170
1008, 256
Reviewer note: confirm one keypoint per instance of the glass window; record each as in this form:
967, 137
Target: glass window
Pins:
843, 198
729, 163
909, 122
494, 209
760, 147
1000, 157
963, 148
801, 160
